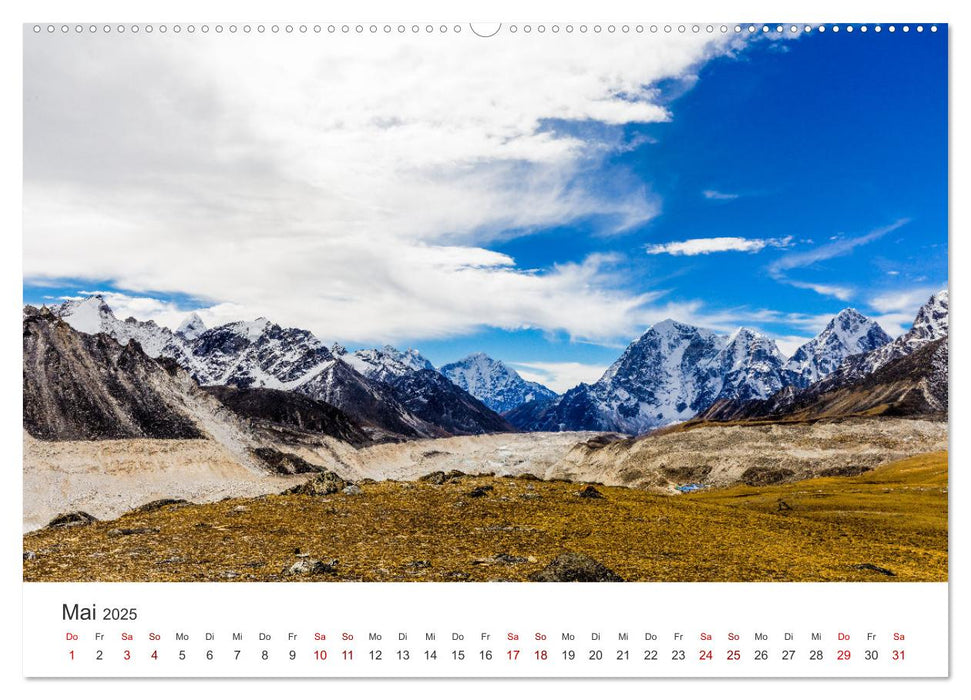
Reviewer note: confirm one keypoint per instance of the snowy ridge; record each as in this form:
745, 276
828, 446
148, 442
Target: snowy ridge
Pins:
748, 367
660, 378
93, 315
383, 364
849, 333
930, 324
673, 372
258, 354
493, 383
192, 327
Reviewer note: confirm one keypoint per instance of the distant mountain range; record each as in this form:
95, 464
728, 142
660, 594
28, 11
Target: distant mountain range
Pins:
261, 354
907, 376
676, 371
493, 383
673, 372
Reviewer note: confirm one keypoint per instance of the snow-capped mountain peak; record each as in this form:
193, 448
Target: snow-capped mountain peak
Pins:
93, 315
493, 383
930, 324
251, 330
746, 346
748, 366
192, 327
87, 315
666, 342
668, 325
660, 378
932, 319
383, 364
848, 333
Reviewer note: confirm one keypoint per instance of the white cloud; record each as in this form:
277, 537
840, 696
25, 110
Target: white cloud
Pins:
841, 292
897, 323
788, 344
559, 376
704, 246
351, 192
903, 299
898, 308
779, 269
719, 196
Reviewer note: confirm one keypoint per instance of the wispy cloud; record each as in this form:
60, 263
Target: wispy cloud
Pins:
780, 268
903, 299
559, 376
719, 196
722, 244
843, 293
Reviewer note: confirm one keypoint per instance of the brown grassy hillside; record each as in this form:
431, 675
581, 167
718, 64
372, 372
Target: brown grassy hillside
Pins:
889, 524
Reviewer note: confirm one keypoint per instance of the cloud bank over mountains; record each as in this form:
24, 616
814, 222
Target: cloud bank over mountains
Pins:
257, 171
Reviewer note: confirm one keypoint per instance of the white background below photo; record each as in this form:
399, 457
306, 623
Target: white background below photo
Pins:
507, 10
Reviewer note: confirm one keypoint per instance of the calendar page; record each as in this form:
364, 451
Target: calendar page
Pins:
437, 349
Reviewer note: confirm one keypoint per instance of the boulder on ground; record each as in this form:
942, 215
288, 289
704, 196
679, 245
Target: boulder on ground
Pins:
572, 566
589, 492
75, 518
323, 484
846, 470
310, 567
765, 476
152, 506
438, 478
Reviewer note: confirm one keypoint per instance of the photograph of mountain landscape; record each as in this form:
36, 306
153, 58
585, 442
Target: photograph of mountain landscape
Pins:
627, 306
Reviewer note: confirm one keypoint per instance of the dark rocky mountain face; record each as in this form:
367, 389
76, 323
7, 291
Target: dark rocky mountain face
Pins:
373, 404
79, 386
89, 387
256, 354
383, 364
577, 409
435, 399
264, 355
530, 413
290, 414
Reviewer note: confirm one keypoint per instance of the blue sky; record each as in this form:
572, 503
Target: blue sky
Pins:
786, 180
